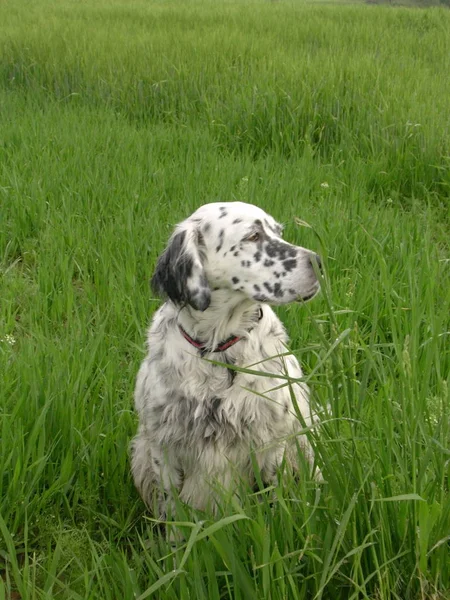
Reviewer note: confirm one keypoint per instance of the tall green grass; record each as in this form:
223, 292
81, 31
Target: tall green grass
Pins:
119, 119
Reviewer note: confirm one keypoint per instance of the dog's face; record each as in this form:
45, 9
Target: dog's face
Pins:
238, 247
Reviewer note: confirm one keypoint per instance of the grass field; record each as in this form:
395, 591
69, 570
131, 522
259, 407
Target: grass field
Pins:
117, 120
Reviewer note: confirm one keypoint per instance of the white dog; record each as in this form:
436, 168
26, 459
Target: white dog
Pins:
200, 423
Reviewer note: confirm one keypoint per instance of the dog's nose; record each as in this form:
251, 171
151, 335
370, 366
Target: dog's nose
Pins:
315, 258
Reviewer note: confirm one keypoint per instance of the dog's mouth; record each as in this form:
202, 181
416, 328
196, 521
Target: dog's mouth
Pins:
310, 295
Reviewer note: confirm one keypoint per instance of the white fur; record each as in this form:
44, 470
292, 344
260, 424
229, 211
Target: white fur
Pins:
199, 423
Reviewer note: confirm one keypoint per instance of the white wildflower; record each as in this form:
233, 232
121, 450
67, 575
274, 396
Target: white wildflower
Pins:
9, 339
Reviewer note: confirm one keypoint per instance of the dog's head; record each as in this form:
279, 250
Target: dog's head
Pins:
237, 247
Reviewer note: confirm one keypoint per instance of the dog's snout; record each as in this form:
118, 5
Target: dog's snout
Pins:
315, 259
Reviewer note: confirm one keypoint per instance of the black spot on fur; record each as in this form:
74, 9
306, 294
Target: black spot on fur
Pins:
290, 264
212, 418
205, 298
215, 404
236, 253
246, 263
280, 250
236, 221
268, 287
233, 248
260, 297
277, 290
221, 234
206, 227
193, 423
268, 262
257, 256
223, 212
257, 288
235, 279
157, 410
292, 291
180, 472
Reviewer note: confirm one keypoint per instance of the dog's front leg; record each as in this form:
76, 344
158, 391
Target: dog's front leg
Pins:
216, 479
155, 474
170, 478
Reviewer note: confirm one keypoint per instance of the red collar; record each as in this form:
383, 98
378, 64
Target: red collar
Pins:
219, 348
234, 339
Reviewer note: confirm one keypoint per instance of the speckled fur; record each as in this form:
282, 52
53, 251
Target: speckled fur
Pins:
199, 423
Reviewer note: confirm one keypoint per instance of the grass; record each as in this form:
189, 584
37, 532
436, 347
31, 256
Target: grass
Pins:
118, 120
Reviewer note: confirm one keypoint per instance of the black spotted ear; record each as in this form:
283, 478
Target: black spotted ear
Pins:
180, 274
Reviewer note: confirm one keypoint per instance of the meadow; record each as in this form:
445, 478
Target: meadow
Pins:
117, 120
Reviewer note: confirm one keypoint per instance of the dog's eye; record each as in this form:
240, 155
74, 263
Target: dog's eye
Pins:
253, 238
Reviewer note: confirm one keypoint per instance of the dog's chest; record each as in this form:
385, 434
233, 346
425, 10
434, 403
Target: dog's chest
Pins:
209, 404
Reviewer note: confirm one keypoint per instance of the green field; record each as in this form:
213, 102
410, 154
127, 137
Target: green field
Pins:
117, 120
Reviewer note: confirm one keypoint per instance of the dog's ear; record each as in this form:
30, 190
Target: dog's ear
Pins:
179, 271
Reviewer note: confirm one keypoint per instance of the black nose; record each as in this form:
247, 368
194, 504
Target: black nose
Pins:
315, 259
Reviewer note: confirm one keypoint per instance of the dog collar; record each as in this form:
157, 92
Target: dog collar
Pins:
234, 339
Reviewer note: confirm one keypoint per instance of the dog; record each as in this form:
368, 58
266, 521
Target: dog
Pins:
204, 426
